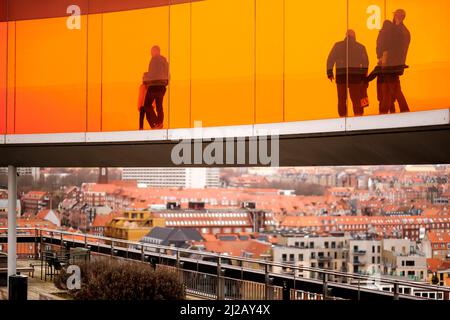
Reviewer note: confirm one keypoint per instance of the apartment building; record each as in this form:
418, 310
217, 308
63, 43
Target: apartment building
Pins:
132, 226
436, 245
314, 252
35, 201
364, 256
198, 178
350, 253
215, 221
401, 258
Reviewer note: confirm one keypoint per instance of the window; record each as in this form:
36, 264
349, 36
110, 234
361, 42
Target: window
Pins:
291, 257
300, 257
326, 244
373, 260
284, 257
311, 245
379, 249
333, 245
373, 249
313, 255
410, 263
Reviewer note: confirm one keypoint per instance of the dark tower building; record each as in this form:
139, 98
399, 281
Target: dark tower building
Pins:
102, 175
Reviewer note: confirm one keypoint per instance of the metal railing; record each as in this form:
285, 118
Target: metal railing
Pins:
267, 269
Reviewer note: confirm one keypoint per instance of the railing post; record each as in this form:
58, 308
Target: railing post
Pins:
220, 295
36, 254
286, 291
142, 254
268, 292
396, 296
12, 222
112, 248
359, 289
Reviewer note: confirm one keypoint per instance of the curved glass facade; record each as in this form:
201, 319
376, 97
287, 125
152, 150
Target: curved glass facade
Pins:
78, 66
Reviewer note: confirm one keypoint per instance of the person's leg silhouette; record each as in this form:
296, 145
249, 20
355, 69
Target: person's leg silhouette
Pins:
342, 99
399, 96
148, 106
159, 99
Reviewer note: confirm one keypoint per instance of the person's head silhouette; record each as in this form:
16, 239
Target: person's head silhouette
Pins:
156, 51
351, 34
399, 16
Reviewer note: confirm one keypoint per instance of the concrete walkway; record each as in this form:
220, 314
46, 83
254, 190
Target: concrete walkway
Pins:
36, 286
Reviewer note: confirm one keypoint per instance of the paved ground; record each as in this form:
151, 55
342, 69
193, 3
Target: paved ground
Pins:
35, 285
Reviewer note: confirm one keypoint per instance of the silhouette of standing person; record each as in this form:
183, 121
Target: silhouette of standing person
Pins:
394, 63
383, 42
156, 81
355, 54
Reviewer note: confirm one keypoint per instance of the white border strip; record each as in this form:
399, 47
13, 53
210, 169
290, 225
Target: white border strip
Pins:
400, 120
301, 127
211, 132
376, 122
124, 136
45, 138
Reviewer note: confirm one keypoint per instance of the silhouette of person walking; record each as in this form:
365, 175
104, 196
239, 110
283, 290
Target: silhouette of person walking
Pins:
392, 50
355, 54
155, 82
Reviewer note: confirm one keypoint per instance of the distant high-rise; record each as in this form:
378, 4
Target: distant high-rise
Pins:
196, 178
25, 171
103, 175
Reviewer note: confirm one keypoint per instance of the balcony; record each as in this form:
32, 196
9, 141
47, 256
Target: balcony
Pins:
359, 252
358, 263
324, 258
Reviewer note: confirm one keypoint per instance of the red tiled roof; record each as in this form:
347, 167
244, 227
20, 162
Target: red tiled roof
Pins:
439, 237
237, 248
42, 214
102, 220
435, 264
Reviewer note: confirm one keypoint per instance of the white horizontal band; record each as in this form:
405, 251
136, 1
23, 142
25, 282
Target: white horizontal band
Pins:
376, 122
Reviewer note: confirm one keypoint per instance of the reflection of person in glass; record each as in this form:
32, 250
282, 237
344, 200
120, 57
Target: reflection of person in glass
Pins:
392, 49
356, 72
155, 81
383, 42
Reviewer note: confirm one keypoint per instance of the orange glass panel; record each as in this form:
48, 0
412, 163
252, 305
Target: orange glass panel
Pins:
312, 28
11, 78
180, 67
223, 61
425, 83
3, 76
127, 41
50, 75
269, 61
94, 89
